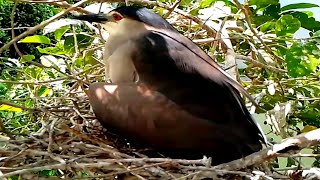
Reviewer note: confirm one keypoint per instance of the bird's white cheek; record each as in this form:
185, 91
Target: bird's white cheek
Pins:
110, 27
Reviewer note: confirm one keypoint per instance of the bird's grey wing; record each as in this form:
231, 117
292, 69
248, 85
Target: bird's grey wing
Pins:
179, 69
206, 66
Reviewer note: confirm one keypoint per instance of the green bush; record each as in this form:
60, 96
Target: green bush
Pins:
26, 15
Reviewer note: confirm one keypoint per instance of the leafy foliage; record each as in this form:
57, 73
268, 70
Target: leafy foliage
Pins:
26, 15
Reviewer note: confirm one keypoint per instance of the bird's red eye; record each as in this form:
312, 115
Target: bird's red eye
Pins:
117, 17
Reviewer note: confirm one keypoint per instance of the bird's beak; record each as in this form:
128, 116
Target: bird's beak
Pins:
92, 17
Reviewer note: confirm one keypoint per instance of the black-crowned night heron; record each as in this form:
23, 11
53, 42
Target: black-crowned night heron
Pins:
167, 92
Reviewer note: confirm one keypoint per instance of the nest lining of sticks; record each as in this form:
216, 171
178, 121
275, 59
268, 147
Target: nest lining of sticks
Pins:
74, 144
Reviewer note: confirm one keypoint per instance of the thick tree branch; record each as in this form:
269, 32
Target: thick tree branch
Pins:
287, 146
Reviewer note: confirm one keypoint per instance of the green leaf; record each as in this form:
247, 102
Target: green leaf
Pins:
267, 26
43, 91
60, 32
28, 103
269, 13
26, 58
287, 25
3, 89
316, 34
185, 2
83, 41
283, 162
5, 74
33, 71
298, 6
263, 3
51, 74
306, 21
49, 173
58, 49
206, 3
302, 59
36, 39
308, 13
307, 162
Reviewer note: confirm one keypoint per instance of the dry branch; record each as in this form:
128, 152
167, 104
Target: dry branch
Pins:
289, 145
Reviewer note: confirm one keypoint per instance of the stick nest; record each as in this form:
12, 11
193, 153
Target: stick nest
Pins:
72, 144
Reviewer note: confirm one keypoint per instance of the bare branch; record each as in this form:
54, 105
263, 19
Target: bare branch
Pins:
291, 144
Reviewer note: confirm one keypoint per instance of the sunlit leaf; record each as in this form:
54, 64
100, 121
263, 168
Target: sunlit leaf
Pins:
43, 91
308, 128
46, 92
309, 13
301, 60
51, 50
287, 25
36, 39
206, 3
29, 103
5, 107
26, 58
185, 2
33, 71
298, 6
267, 26
60, 32
317, 34
48, 60
307, 161
282, 162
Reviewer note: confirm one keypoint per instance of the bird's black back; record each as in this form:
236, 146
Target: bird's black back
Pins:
164, 65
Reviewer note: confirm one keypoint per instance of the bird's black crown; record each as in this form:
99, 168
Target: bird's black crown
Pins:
144, 15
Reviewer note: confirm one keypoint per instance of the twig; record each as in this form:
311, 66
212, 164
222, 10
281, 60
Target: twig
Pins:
230, 61
12, 29
247, 17
271, 68
218, 34
16, 28
130, 170
51, 131
170, 10
295, 143
73, 165
76, 48
219, 171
